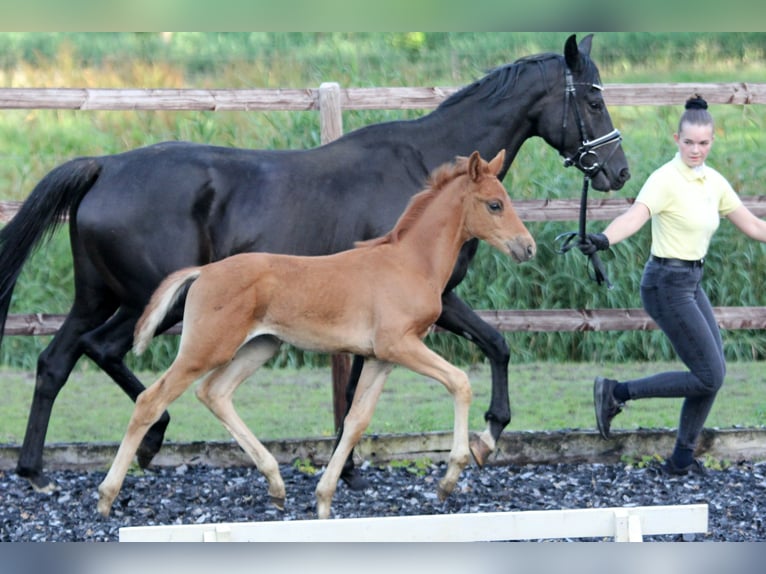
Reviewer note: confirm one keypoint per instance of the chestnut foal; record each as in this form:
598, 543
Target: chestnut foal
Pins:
240, 309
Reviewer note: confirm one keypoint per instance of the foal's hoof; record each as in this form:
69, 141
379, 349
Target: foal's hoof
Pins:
443, 493
278, 501
39, 481
480, 450
354, 480
104, 508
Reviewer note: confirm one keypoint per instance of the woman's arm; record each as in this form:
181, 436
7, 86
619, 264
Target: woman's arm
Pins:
752, 226
628, 223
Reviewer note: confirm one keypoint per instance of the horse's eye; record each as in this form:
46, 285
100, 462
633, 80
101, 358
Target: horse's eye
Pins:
495, 206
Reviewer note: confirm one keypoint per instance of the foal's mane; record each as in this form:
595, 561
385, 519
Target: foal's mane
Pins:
437, 181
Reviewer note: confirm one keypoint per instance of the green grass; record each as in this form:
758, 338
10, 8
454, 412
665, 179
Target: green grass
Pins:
297, 403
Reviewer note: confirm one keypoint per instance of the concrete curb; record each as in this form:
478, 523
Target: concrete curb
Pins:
514, 448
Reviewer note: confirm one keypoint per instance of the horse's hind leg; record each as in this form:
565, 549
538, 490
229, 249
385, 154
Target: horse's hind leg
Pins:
216, 393
149, 407
53, 369
107, 346
371, 380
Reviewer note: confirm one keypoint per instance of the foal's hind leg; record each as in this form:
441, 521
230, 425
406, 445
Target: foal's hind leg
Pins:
149, 407
107, 347
216, 393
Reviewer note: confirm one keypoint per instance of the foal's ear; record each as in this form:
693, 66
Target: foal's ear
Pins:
497, 162
475, 170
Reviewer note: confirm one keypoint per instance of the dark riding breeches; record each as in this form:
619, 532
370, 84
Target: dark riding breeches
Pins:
673, 297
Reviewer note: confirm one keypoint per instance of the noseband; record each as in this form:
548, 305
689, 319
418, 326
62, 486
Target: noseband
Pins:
587, 160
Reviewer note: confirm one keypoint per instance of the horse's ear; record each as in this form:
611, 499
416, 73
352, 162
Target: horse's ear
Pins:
497, 162
474, 166
585, 44
572, 52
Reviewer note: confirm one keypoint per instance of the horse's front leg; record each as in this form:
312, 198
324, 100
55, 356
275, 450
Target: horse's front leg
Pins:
460, 319
368, 391
351, 474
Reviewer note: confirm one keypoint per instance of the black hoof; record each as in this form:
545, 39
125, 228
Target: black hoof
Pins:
151, 444
354, 480
39, 481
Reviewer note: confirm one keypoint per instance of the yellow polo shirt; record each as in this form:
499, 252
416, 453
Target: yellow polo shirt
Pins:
686, 205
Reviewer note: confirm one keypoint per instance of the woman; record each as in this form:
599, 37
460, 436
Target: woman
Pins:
685, 199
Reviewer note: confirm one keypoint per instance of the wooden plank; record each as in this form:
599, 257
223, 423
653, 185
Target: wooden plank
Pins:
379, 98
528, 209
531, 320
623, 524
741, 93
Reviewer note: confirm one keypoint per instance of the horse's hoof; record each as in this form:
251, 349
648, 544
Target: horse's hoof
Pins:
144, 457
151, 443
39, 482
278, 501
354, 480
480, 451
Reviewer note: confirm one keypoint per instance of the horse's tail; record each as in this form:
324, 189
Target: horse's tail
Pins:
57, 193
170, 291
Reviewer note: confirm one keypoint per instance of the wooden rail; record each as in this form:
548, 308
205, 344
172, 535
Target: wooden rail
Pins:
330, 100
529, 209
623, 524
506, 320
382, 98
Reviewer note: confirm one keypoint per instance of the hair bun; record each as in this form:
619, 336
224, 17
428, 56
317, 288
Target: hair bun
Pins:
696, 102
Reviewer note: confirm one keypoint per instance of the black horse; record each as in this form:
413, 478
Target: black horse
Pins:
134, 217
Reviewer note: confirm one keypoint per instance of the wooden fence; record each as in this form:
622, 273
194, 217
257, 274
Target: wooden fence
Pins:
330, 100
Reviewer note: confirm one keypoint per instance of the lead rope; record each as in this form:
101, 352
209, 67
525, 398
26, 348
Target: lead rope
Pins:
567, 240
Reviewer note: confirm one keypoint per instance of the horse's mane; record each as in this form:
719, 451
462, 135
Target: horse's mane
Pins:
498, 83
437, 181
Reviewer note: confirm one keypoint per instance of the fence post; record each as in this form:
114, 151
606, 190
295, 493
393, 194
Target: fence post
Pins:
331, 128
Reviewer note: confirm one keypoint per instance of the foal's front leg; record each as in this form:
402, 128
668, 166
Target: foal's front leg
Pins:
374, 373
460, 319
413, 354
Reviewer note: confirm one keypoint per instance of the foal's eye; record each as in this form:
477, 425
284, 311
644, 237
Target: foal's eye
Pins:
495, 206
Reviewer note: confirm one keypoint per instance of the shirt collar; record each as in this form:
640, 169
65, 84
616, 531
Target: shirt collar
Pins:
689, 173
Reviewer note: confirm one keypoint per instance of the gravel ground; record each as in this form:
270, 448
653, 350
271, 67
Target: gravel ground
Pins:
197, 494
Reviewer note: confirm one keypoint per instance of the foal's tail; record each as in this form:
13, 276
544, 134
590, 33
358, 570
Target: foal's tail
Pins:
59, 192
170, 291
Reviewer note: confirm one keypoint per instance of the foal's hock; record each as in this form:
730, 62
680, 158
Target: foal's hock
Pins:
377, 300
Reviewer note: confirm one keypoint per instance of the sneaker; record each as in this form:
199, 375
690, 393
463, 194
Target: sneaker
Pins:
668, 468
607, 407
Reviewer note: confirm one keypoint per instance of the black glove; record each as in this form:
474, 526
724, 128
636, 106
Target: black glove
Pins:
593, 242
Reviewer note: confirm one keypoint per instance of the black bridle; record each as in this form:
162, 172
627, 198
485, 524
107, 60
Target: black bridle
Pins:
587, 160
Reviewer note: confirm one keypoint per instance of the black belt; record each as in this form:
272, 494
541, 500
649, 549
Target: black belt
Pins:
678, 262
